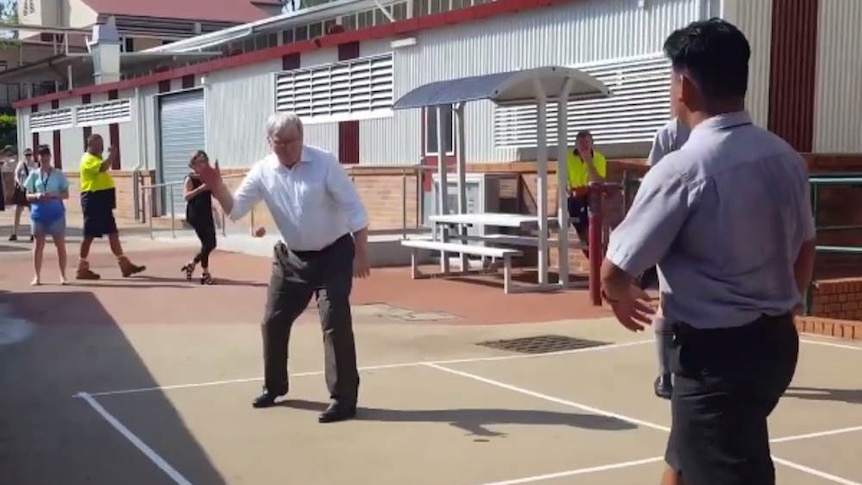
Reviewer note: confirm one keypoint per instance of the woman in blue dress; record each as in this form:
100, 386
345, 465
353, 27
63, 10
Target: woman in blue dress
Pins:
47, 188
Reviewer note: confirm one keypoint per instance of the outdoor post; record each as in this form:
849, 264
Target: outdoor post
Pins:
542, 180
562, 182
461, 161
443, 202
595, 241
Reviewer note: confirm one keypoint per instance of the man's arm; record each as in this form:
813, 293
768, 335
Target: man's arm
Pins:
238, 204
658, 212
344, 192
113, 155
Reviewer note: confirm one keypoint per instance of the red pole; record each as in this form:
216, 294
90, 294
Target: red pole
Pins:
595, 242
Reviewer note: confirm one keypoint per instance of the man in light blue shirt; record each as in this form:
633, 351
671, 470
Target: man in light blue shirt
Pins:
324, 230
728, 220
669, 138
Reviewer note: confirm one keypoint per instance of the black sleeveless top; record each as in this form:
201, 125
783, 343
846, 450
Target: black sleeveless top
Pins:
200, 206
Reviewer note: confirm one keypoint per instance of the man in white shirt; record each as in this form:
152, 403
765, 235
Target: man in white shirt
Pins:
323, 225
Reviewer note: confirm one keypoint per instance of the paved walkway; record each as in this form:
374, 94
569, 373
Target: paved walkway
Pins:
148, 380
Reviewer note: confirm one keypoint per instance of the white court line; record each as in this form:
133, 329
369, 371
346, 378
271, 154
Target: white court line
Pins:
820, 434
814, 471
831, 344
572, 404
384, 366
579, 471
160, 462
621, 417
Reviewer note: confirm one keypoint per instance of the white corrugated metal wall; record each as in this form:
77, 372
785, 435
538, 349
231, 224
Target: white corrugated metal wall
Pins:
580, 32
754, 19
838, 99
238, 102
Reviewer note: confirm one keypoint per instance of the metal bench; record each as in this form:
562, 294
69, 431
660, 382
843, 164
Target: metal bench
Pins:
503, 254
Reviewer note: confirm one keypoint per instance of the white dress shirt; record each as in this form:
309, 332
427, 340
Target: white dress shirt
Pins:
313, 203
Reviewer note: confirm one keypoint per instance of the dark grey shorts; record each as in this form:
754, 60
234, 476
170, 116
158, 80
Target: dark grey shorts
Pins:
726, 384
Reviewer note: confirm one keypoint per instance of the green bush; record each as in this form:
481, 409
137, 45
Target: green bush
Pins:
8, 130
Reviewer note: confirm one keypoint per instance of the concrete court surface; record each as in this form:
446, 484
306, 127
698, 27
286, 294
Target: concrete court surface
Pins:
149, 380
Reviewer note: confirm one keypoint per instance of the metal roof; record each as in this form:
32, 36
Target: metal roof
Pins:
56, 68
510, 88
305, 16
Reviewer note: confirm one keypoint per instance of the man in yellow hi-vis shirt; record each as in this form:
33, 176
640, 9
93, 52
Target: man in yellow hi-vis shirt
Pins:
586, 165
98, 200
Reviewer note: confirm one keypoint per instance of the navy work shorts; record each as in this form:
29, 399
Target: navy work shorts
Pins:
726, 383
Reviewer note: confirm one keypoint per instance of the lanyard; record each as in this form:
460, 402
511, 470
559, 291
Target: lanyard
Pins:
45, 181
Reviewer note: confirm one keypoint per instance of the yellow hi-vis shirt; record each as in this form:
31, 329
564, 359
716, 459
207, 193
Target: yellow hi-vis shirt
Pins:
579, 174
93, 179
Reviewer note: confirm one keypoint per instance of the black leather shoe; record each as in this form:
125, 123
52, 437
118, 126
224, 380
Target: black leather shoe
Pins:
266, 399
337, 412
663, 386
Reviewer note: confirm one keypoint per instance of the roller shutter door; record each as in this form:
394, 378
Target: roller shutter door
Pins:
181, 129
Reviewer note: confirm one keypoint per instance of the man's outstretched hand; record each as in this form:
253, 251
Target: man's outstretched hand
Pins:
632, 309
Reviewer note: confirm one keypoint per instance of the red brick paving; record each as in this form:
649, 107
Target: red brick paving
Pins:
161, 295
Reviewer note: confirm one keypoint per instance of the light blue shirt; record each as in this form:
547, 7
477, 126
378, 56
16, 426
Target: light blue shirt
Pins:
669, 138
724, 217
313, 203
53, 182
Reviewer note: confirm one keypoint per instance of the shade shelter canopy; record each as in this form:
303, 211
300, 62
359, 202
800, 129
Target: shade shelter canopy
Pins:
537, 86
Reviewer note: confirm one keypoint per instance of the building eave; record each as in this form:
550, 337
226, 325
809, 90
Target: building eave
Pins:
391, 30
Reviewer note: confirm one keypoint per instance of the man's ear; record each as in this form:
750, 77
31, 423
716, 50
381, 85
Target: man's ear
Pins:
689, 94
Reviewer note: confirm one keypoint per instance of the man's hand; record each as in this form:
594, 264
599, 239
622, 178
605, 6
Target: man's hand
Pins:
211, 177
361, 265
632, 309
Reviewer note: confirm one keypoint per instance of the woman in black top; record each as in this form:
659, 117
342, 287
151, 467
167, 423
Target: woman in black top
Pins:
199, 214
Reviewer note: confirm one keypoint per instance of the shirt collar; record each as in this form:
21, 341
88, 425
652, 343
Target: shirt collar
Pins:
723, 122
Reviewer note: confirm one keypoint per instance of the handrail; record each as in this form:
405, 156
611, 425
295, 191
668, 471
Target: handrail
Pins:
405, 170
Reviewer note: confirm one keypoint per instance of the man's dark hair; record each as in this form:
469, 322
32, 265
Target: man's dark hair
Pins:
715, 54
583, 134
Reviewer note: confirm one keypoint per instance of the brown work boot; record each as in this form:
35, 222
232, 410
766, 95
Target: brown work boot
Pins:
84, 272
127, 268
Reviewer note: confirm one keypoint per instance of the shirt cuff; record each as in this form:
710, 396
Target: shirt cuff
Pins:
623, 258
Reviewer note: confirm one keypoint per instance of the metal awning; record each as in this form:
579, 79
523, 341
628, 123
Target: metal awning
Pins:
510, 88
529, 87
80, 66
304, 16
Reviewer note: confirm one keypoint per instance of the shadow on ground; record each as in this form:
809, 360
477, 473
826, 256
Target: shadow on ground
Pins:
851, 396
49, 436
475, 421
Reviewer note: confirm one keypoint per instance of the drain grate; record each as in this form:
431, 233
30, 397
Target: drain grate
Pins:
542, 344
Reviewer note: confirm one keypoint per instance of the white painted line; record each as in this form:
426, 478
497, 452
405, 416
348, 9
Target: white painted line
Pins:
140, 445
628, 419
379, 367
579, 471
820, 434
831, 344
814, 471
582, 407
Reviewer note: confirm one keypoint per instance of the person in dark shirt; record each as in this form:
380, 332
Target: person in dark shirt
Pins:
199, 214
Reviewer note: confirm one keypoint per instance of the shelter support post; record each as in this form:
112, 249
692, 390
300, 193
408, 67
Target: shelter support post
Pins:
542, 179
443, 201
595, 241
562, 184
461, 153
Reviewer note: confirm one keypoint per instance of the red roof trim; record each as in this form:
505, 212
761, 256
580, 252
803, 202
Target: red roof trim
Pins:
478, 12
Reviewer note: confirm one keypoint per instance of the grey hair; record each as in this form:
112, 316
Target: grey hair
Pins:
282, 120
